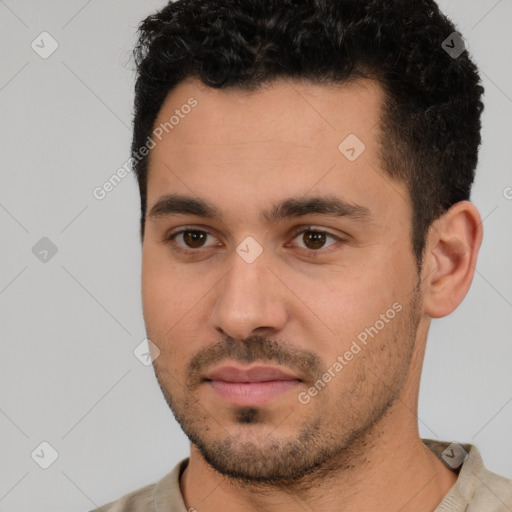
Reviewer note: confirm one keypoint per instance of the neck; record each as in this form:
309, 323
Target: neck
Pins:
387, 470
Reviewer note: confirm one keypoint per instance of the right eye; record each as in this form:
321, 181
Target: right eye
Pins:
192, 239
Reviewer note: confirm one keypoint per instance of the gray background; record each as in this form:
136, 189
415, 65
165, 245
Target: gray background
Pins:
68, 375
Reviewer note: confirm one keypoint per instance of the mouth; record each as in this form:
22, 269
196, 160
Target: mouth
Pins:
250, 386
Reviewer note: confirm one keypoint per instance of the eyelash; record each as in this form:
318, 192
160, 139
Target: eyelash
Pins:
302, 229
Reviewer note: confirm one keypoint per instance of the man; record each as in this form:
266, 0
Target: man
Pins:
305, 172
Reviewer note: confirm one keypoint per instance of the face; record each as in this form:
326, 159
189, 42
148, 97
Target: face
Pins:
302, 262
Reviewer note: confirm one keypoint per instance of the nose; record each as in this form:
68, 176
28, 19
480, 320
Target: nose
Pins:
249, 299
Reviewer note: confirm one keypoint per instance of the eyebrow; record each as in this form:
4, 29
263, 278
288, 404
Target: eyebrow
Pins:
331, 206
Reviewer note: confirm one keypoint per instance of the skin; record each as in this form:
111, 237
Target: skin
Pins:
357, 438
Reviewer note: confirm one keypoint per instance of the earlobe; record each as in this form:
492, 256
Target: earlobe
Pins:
451, 253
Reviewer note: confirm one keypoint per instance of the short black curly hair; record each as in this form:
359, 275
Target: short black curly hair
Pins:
430, 122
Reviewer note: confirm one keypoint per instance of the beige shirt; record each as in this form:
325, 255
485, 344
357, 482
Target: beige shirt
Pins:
476, 488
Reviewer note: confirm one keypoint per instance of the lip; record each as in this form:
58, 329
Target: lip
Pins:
254, 374
250, 386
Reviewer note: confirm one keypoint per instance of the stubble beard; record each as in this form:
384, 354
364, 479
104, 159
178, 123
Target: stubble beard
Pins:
323, 445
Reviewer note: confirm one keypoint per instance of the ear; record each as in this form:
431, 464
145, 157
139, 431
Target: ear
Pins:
451, 253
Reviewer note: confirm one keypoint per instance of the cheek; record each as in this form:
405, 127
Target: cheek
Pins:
353, 294
164, 310
172, 301
162, 291
344, 303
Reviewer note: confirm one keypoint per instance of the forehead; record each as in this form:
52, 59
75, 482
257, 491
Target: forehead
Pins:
286, 139
270, 114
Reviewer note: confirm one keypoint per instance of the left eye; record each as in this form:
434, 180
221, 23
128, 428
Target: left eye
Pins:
313, 239
316, 238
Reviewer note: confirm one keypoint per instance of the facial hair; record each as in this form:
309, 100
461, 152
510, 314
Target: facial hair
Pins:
341, 420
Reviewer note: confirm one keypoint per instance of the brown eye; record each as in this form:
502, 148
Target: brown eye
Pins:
191, 239
194, 239
314, 239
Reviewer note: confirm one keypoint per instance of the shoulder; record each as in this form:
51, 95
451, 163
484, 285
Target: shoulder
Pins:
140, 500
162, 495
493, 493
477, 489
